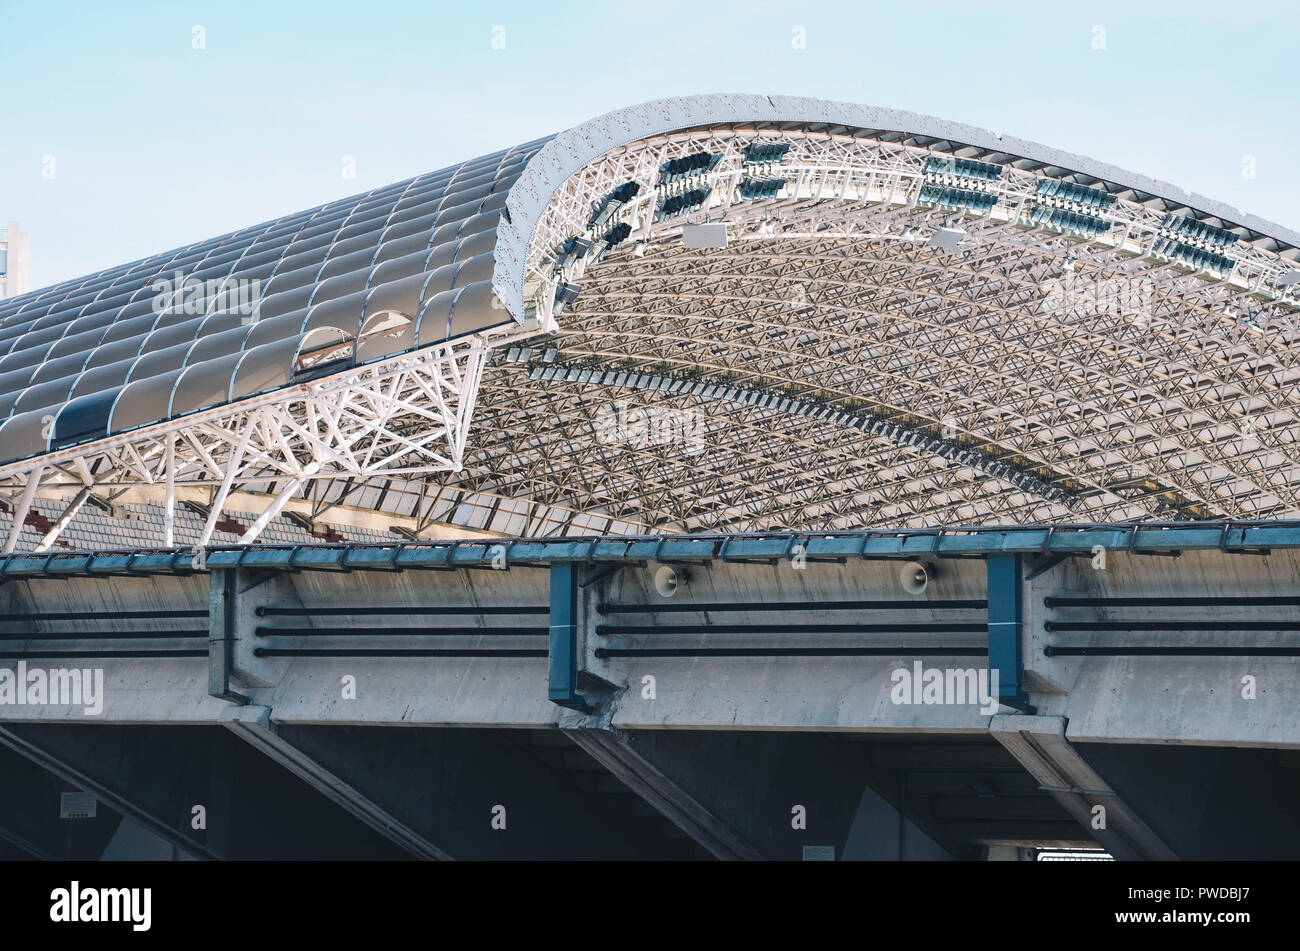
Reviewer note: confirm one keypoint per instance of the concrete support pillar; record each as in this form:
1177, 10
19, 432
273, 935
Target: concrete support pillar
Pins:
1210, 803
762, 795
1040, 745
30, 816
466, 793
198, 788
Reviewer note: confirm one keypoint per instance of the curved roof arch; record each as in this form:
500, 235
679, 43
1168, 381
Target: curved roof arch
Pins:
712, 312
568, 152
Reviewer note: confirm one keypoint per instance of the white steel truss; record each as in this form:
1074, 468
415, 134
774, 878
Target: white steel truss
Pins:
1026, 374
1137, 384
843, 175
407, 417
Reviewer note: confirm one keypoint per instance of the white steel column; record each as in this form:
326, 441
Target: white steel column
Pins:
277, 504
169, 503
24, 506
68, 514
232, 467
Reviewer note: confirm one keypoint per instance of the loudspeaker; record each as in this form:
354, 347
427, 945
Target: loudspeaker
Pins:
667, 581
914, 577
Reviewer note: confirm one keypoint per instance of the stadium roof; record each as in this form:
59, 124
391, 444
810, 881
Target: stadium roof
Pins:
736, 313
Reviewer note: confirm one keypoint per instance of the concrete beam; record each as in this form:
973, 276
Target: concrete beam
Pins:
1040, 745
30, 815
629, 631
253, 725
1161, 699
505, 692
761, 794
135, 689
613, 749
170, 778
464, 793
1211, 803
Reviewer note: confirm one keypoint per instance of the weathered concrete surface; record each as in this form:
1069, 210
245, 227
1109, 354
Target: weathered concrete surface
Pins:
30, 825
789, 693
445, 691
463, 793
136, 690
1194, 700
1039, 743
161, 776
1127, 699
1209, 802
705, 740
752, 795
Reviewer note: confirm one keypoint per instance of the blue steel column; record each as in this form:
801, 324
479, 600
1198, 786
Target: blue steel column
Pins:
1006, 623
222, 592
563, 652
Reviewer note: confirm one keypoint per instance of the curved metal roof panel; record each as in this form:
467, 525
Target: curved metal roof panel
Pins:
243, 313
839, 315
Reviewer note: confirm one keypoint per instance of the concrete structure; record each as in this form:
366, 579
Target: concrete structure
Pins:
730, 476
567, 699
14, 261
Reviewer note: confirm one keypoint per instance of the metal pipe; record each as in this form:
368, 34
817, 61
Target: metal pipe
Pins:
359, 611
100, 615
931, 628
1247, 601
398, 631
1197, 625
24, 507
1128, 651
103, 653
97, 635
972, 604
393, 652
898, 651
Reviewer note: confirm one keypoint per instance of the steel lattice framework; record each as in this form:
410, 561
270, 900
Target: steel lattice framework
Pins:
901, 329
1173, 399
404, 417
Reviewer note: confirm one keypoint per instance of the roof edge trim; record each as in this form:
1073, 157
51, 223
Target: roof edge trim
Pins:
572, 150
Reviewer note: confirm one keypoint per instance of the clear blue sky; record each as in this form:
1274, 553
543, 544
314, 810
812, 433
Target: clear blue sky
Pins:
157, 144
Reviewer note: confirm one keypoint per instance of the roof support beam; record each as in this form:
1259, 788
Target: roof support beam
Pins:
169, 502
68, 515
277, 504
253, 725
232, 468
24, 506
612, 750
1040, 745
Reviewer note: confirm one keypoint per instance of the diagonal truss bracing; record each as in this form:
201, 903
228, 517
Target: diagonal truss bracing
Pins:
405, 417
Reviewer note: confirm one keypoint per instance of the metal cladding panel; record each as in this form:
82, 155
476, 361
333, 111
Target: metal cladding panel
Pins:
214, 322
446, 255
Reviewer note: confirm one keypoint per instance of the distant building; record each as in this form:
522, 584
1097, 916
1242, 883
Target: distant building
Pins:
13, 261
